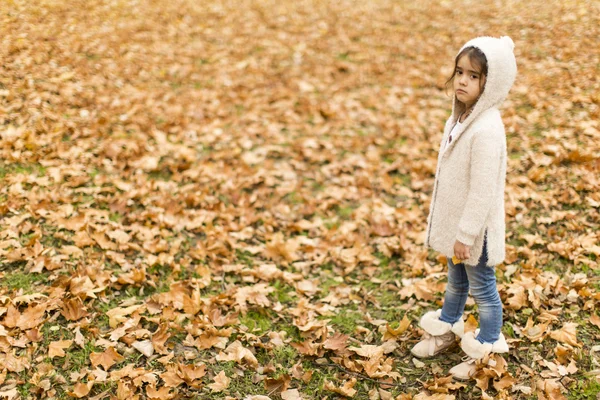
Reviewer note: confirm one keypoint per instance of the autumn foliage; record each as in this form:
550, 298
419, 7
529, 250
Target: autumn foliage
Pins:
218, 199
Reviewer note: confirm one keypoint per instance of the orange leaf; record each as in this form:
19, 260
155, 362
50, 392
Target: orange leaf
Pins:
73, 309
163, 393
221, 382
594, 319
57, 349
107, 359
567, 334
346, 390
81, 389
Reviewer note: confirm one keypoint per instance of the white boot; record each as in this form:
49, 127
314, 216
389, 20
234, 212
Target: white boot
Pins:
476, 352
438, 336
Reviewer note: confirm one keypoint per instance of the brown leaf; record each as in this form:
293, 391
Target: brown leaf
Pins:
291, 394
336, 342
81, 389
347, 389
404, 325
594, 319
31, 317
107, 359
57, 349
73, 309
278, 385
507, 381
164, 393
567, 334
238, 353
221, 382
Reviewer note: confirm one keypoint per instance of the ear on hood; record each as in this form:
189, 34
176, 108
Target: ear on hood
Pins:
502, 71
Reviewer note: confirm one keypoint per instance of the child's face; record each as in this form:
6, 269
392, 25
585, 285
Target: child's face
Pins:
467, 85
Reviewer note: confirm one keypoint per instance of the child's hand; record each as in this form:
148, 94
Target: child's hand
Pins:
461, 251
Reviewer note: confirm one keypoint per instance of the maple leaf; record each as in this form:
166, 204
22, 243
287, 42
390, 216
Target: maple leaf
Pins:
73, 309
107, 359
192, 373
391, 333
9, 394
254, 295
119, 314
221, 382
31, 317
57, 348
238, 353
160, 337
81, 389
145, 347
594, 319
567, 334
517, 297
291, 394
164, 393
278, 385
347, 389
336, 342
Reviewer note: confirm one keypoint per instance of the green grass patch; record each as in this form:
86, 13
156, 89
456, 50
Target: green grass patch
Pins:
257, 321
26, 281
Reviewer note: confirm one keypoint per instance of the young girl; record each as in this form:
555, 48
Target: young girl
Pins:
466, 217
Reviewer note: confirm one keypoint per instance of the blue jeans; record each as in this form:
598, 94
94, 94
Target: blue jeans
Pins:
482, 281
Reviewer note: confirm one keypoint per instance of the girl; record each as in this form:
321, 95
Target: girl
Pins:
466, 217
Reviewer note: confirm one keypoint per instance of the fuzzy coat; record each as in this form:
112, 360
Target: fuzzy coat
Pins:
468, 194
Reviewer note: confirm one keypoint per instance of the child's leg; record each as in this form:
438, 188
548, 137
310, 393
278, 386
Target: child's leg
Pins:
485, 293
457, 291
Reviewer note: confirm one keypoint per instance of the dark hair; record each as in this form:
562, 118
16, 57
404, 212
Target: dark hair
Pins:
478, 60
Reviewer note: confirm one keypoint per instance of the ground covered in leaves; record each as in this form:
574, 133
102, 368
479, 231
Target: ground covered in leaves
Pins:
227, 199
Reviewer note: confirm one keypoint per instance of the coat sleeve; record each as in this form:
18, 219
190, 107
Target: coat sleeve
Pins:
486, 154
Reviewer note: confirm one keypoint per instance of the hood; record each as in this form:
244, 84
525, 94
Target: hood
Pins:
502, 70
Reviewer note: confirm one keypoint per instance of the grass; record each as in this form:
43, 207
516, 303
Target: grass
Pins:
25, 281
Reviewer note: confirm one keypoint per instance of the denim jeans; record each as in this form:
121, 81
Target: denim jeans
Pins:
482, 281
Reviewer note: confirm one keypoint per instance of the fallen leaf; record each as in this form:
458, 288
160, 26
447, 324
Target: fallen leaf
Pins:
145, 347
107, 359
347, 389
221, 382
567, 334
81, 389
57, 348
291, 394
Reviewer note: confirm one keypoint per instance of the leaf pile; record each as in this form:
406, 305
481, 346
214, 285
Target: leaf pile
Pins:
228, 199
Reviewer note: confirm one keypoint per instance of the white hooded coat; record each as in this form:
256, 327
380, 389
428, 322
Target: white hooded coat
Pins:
468, 194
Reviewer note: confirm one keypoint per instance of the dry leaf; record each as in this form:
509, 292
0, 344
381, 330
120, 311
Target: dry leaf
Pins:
291, 394
221, 382
347, 389
567, 334
107, 359
145, 347
57, 349
81, 389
